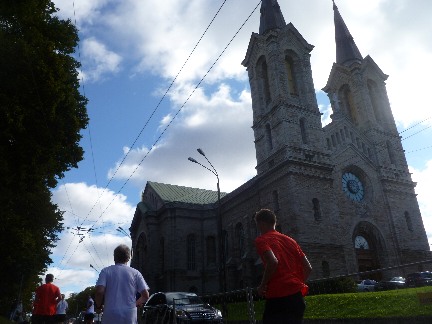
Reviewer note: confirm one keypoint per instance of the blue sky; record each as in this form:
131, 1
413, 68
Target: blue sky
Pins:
131, 50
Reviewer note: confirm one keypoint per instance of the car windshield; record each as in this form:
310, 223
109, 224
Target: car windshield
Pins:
183, 299
426, 275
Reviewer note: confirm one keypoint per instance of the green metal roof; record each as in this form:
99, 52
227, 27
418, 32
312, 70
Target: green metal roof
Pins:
173, 193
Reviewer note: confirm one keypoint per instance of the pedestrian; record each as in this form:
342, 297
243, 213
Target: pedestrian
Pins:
89, 312
116, 290
17, 314
62, 307
46, 298
286, 269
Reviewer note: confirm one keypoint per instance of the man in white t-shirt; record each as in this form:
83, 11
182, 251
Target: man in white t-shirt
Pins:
116, 289
61, 309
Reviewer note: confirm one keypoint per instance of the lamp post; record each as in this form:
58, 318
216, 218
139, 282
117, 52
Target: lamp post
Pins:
222, 257
91, 266
122, 231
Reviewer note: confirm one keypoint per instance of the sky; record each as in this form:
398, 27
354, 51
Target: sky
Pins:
152, 103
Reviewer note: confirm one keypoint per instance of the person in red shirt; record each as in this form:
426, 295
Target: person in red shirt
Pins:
286, 268
46, 299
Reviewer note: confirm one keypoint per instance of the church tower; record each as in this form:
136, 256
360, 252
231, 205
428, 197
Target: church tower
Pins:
378, 205
286, 118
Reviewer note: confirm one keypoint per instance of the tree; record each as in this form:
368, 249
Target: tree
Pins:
41, 115
77, 302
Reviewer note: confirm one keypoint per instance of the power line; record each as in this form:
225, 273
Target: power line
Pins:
157, 106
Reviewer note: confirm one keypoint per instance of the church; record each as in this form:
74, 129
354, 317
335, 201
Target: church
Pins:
343, 191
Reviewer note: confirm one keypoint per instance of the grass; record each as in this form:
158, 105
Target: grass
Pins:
385, 304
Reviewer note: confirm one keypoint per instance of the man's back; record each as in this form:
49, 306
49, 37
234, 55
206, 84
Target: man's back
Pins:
46, 299
289, 276
121, 284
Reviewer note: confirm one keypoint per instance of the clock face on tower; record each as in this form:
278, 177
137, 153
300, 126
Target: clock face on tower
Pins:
352, 186
361, 243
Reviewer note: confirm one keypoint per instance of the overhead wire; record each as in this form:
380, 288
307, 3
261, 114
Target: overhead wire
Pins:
182, 106
166, 92
158, 105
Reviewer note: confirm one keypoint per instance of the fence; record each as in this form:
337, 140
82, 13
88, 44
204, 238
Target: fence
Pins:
351, 299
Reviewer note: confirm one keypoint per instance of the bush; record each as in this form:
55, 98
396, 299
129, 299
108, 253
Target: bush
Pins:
333, 286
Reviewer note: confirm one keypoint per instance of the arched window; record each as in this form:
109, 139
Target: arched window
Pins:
303, 130
325, 269
316, 209
269, 136
347, 103
374, 97
211, 250
263, 80
390, 152
162, 253
292, 84
140, 253
225, 244
275, 200
240, 239
191, 260
408, 221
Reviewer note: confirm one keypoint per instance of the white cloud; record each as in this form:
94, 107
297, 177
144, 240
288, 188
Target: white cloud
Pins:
424, 179
88, 207
157, 36
209, 123
98, 61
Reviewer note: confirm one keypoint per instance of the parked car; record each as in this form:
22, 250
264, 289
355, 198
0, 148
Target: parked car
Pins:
419, 279
186, 307
393, 283
366, 285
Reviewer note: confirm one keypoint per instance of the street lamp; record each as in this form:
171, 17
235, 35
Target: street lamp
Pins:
222, 257
91, 266
121, 230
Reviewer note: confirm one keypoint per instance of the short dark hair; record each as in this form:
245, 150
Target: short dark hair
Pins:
49, 277
122, 254
266, 216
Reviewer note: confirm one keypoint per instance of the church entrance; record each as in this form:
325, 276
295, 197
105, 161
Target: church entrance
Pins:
367, 250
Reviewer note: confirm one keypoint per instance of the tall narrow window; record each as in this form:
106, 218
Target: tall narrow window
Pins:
225, 244
316, 209
191, 260
263, 79
269, 136
325, 269
162, 253
292, 86
303, 130
141, 253
239, 234
211, 250
408, 221
373, 93
347, 103
391, 153
275, 200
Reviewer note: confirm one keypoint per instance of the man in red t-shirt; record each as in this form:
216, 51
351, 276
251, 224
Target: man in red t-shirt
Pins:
46, 299
286, 269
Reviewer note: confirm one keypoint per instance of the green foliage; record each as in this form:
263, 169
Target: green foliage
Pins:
77, 302
334, 286
41, 116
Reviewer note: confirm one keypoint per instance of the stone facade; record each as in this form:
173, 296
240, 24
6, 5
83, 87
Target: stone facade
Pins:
343, 191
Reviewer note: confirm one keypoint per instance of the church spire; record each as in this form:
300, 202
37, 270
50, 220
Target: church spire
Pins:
271, 16
346, 48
